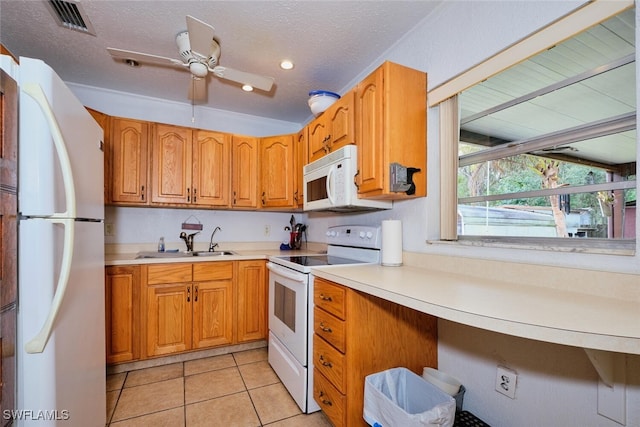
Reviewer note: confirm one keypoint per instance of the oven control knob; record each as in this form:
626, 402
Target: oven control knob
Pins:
361, 234
328, 233
332, 234
369, 234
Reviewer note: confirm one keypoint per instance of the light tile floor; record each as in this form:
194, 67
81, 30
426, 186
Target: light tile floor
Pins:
232, 390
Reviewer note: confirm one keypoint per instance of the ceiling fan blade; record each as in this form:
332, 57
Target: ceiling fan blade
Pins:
198, 89
200, 36
258, 82
143, 57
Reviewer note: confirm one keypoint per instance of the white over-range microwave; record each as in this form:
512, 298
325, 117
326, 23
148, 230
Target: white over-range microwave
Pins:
329, 184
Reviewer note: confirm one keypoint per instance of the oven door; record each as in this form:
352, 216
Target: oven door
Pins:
288, 305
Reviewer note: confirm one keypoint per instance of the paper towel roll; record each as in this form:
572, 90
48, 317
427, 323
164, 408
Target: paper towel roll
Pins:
392, 243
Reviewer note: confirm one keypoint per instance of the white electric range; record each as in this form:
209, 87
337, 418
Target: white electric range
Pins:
291, 304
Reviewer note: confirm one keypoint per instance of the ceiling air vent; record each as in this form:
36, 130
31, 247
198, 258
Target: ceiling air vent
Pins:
69, 14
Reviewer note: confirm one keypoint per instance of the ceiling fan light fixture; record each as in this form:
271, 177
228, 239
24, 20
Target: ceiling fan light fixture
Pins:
247, 88
198, 69
131, 62
286, 64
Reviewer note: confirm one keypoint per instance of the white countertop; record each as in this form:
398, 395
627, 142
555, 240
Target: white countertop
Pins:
492, 300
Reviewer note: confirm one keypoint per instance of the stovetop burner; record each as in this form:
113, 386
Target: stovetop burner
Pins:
316, 260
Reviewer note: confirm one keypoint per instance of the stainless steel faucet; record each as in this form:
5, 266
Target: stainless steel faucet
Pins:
212, 245
188, 240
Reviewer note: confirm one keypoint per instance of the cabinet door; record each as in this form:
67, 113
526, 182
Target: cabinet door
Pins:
171, 164
211, 163
122, 302
369, 133
341, 120
129, 156
302, 158
244, 171
277, 171
105, 123
318, 138
212, 313
252, 300
169, 318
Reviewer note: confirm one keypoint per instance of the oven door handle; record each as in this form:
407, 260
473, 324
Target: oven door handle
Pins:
287, 273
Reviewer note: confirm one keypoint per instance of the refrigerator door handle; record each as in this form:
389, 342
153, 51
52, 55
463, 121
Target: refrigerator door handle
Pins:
39, 342
35, 91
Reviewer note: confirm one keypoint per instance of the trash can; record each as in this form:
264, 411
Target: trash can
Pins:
399, 397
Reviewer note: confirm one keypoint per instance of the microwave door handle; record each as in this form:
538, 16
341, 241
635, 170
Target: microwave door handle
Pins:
330, 195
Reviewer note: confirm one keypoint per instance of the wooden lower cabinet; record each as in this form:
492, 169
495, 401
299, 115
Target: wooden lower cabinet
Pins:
189, 306
253, 294
357, 334
122, 308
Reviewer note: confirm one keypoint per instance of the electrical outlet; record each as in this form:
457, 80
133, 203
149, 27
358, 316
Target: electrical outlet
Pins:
108, 229
267, 230
506, 382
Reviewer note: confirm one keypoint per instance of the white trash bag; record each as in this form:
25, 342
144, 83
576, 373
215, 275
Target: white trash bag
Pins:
398, 397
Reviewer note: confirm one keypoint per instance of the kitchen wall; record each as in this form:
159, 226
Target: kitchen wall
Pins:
557, 386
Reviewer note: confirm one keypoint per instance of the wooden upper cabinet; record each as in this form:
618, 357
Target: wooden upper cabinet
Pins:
334, 128
391, 127
244, 171
105, 123
302, 158
211, 163
277, 171
171, 164
128, 145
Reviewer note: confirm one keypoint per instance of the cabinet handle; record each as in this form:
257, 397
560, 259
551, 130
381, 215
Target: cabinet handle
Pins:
195, 295
324, 401
188, 293
142, 193
295, 196
323, 297
325, 328
194, 194
355, 179
325, 363
188, 194
263, 194
234, 197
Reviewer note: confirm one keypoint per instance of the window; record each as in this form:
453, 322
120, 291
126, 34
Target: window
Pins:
546, 149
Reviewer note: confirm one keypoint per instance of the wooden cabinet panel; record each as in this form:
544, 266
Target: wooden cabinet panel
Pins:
244, 171
168, 273
252, 300
105, 123
330, 328
169, 318
212, 313
207, 271
330, 297
122, 303
334, 128
331, 401
391, 127
277, 171
330, 363
128, 144
211, 164
302, 158
171, 164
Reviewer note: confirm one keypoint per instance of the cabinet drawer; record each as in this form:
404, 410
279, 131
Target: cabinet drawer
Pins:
331, 401
168, 273
205, 271
330, 362
330, 328
330, 297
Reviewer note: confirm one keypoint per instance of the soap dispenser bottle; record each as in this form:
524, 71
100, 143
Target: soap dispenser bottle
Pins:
161, 245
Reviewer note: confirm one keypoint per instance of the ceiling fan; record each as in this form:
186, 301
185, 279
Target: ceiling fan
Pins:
200, 53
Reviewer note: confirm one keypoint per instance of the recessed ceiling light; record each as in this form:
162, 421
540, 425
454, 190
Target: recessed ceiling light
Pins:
286, 64
131, 62
247, 88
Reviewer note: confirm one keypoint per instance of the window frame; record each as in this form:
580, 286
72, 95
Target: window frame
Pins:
445, 97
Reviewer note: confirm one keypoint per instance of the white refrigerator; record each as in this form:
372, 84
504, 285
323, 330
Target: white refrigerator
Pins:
61, 313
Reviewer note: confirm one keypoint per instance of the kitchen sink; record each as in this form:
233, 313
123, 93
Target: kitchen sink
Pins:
214, 253
151, 254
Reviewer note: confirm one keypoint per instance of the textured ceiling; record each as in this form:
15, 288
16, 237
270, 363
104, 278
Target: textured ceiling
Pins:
331, 42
